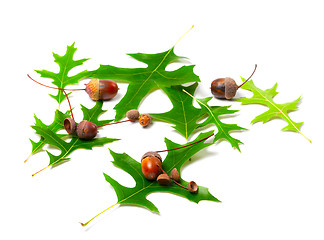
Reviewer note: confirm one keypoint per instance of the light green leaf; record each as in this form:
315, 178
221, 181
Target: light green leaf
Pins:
265, 97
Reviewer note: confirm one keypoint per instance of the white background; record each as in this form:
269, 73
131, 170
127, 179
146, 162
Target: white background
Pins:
273, 189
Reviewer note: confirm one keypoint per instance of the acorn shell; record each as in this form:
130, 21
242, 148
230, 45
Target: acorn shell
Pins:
151, 167
107, 89
86, 130
218, 88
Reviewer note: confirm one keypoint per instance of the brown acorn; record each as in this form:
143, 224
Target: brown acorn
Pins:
96, 89
101, 89
86, 130
226, 88
132, 114
151, 165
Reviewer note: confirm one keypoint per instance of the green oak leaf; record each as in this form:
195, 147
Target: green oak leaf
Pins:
55, 140
55, 126
183, 114
275, 110
175, 159
214, 113
94, 113
61, 79
143, 80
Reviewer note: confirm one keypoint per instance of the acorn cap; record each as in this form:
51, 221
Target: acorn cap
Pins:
175, 175
163, 179
152, 154
230, 88
92, 88
69, 125
192, 187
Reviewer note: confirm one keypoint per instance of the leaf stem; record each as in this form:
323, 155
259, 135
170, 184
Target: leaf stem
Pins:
77, 89
67, 97
129, 120
186, 145
255, 67
62, 89
41, 170
85, 224
183, 36
28, 157
179, 184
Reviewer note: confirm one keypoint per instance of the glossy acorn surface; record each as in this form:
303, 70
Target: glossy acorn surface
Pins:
218, 88
86, 130
151, 165
107, 89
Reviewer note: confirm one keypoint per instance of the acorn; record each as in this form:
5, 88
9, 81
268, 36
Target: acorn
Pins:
86, 130
96, 89
151, 165
226, 88
132, 114
145, 119
101, 89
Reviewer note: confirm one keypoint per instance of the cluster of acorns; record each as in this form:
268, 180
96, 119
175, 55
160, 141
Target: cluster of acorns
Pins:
88, 130
107, 89
151, 164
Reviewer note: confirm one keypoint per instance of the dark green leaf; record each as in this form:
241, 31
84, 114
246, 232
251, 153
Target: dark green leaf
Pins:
183, 114
55, 140
61, 79
214, 113
143, 80
55, 126
94, 113
175, 159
